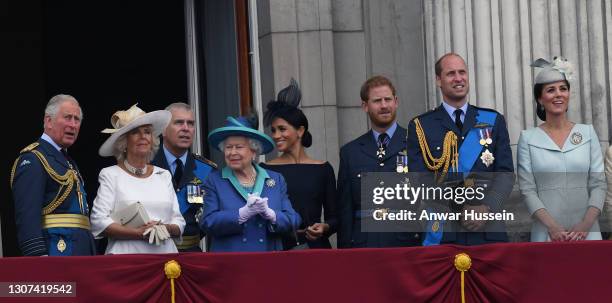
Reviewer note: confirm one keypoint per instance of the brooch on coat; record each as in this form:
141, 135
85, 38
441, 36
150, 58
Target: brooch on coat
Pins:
576, 138
270, 183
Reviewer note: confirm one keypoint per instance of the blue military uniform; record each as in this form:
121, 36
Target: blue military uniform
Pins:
473, 157
51, 209
356, 157
190, 195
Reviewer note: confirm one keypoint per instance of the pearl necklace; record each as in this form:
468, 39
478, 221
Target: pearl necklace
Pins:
251, 180
134, 170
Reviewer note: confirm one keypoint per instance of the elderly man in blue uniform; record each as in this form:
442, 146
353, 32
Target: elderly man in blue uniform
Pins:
468, 141
51, 209
188, 171
374, 151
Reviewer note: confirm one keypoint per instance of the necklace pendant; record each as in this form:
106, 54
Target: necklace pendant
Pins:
134, 170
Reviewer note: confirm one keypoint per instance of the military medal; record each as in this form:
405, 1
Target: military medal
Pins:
482, 141
61, 245
195, 194
487, 158
576, 138
380, 153
485, 140
485, 137
401, 161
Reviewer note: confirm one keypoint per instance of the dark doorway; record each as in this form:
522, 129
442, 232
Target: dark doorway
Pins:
108, 54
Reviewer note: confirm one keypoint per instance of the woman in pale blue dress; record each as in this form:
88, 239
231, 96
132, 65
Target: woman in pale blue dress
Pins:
560, 166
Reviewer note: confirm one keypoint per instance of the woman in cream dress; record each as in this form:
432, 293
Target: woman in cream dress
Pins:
133, 143
560, 165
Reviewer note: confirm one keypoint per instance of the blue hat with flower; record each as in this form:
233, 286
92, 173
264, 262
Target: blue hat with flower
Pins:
240, 126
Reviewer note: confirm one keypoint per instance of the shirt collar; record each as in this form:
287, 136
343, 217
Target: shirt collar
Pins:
48, 139
171, 158
451, 110
390, 131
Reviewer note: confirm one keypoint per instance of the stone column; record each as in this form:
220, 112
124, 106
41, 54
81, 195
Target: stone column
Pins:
296, 41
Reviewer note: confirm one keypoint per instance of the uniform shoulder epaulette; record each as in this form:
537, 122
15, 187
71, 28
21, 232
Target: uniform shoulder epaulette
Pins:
29, 147
202, 159
485, 109
424, 114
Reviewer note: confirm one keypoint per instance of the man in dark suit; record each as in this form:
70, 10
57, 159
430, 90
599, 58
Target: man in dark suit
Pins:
188, 171
365, 154
51, 209
482, 148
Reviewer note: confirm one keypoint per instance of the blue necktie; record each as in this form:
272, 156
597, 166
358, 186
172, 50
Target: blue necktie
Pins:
383, 140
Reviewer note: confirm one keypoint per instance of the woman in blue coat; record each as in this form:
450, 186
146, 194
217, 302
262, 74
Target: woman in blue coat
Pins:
560, 165
246, 207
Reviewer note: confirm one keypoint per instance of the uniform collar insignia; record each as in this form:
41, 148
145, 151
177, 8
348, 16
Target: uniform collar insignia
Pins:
196, 181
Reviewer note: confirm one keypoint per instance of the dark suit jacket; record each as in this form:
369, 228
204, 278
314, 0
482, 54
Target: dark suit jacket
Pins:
436, 124
356, 157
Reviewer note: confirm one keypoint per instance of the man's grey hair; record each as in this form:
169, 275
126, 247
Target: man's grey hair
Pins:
120, 148
254, 145
179, 105
57, 100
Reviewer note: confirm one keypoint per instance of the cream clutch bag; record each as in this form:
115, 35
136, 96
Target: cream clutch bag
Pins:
133, 215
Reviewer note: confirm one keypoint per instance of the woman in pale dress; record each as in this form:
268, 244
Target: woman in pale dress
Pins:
134, 141
560, 165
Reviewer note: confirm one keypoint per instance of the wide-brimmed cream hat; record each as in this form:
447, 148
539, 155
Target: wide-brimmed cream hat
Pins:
124, 121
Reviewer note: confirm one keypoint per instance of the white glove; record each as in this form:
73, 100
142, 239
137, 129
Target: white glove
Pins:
261, 205
249, 210
162, 232
151, 232
157, 233
252, 198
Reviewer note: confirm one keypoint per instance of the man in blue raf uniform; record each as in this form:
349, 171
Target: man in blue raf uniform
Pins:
375, 151
456, 141
188, 171
50, 202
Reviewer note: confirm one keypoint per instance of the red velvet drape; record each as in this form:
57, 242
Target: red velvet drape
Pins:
517, 272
